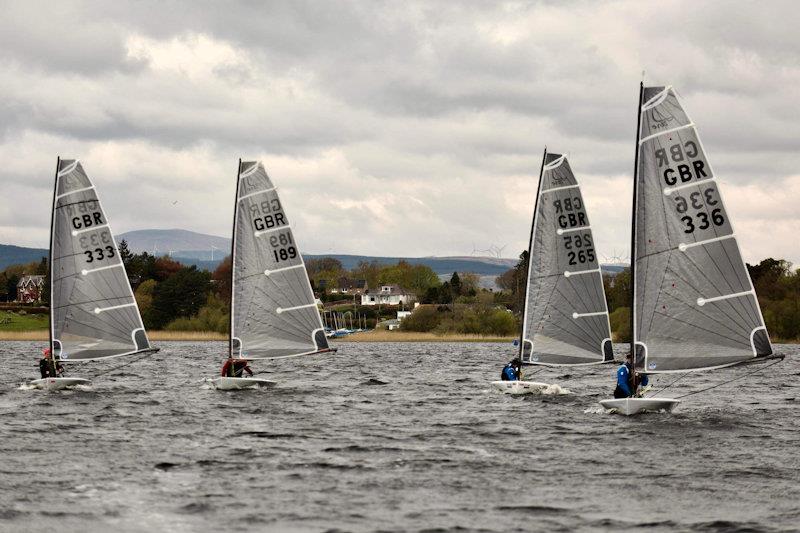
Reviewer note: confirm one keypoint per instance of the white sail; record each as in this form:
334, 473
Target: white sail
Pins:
274, 313
92, 308
694, 306
566, 316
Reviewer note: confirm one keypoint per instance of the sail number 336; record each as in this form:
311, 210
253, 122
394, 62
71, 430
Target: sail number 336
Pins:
701, 219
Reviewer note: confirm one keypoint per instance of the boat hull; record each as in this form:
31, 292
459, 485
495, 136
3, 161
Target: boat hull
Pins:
520, 387
226, 383
59, 383
634, 406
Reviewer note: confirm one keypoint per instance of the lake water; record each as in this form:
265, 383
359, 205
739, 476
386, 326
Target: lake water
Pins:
151, 448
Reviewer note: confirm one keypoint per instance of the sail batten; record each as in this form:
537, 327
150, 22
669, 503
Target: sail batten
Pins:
274, 314
566, 316
694, 304
93, 312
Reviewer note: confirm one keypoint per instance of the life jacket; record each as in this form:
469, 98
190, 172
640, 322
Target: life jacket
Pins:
233, 368
508, 373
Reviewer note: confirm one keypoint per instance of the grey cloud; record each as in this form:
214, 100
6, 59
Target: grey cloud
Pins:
376, 102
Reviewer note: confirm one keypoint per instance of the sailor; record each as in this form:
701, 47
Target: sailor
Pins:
234, 368
625, 385
511, 371
48, 367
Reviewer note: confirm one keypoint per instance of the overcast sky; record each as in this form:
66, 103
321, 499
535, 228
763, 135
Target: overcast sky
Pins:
394, 128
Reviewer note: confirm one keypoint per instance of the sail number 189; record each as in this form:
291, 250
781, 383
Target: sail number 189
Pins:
283, 247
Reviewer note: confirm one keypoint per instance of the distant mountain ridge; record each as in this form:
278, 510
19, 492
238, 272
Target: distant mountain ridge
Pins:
18, 255
176, 242
207, 251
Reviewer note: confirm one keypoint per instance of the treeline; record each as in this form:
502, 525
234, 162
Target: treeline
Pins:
174, 296
776, 283
326, 272
461, 306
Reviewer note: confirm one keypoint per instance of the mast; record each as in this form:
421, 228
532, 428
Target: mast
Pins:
233, 253
633, 233
530, 249
50, 256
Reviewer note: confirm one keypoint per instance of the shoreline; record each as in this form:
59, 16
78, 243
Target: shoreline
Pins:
366, 336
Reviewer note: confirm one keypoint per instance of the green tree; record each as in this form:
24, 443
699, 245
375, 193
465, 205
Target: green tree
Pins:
455, 284
11, 286
222, 280
4, 287
124, 252
370, 271
618, 289
43, 267
424, 318
620, 320
144, 298
515, 281
180, 295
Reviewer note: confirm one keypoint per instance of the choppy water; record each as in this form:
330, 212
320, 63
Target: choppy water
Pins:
152, 448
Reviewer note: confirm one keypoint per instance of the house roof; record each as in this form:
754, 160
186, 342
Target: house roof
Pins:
36, 279
347, 283
394, 290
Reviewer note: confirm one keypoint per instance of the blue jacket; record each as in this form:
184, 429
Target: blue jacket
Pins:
509, 374
623, 379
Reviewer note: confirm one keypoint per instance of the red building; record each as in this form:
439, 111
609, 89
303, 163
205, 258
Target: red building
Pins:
29, 289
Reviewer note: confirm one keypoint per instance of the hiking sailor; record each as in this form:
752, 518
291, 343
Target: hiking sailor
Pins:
48, 367
626, 388
511, 372
234, 368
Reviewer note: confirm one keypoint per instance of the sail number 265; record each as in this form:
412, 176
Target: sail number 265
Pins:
580, 248
283, 248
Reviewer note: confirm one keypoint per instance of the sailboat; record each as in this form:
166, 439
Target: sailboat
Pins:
694, 307
93, 314
273, 309
565, 321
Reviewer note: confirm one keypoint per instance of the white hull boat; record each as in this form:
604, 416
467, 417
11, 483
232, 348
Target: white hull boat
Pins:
226, 383
520, 387
634, 406
59, 383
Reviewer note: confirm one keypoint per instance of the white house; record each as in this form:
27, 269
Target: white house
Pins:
388, 295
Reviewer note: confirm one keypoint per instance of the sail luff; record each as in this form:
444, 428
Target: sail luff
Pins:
530, 255
50, 257
695, 306
233, 256
633, 227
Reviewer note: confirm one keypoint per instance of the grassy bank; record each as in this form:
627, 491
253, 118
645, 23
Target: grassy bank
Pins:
19, 322
367, 336
155, 336
411, 336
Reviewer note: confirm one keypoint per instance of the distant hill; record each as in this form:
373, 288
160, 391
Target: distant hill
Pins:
177, 242
485, 266
15, 255
207, 251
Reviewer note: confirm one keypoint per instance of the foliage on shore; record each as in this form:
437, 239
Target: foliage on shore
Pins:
175, 298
